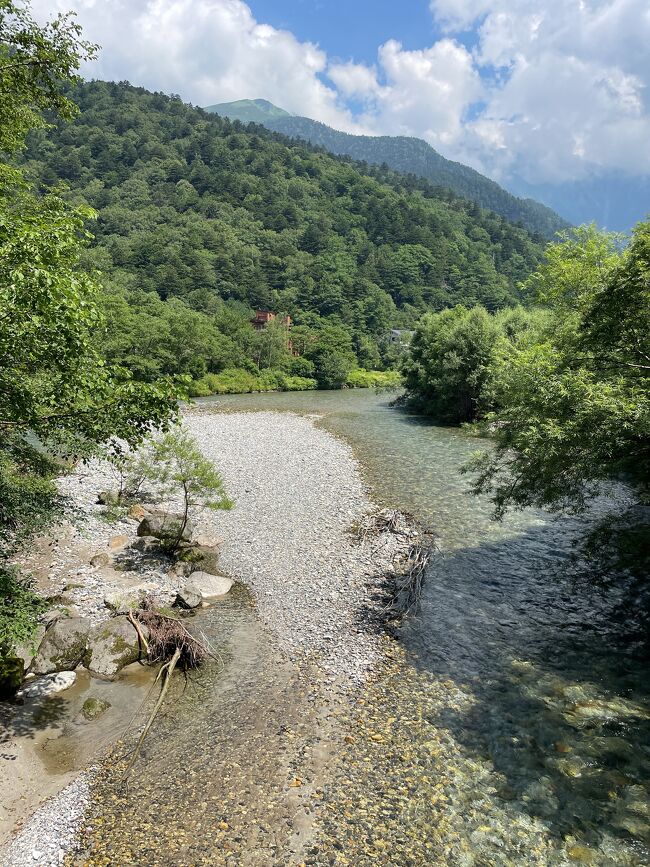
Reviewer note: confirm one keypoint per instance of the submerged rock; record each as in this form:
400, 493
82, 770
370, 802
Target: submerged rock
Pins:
63, 646
203, 588
166, 526
41, 687
113, 645
94, 707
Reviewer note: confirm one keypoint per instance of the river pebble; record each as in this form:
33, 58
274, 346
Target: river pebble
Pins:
51, 832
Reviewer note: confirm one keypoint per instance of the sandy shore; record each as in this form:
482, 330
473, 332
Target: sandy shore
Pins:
298, 492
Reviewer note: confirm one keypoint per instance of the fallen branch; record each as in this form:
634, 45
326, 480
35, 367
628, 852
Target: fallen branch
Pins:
144, 644
166, 670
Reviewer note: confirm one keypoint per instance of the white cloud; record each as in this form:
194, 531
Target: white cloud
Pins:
551, 89
568, 92
427, 91
207, 51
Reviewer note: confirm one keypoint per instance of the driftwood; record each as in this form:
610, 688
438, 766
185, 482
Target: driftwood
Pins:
400, 591
171, 644
404, 587
166, 671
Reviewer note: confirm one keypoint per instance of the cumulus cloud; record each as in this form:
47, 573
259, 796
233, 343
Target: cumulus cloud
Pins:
550, 89
568, 85
426, 91
207, 51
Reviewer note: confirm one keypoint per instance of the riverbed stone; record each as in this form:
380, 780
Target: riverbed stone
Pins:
49, 684
113, 645
200, 558
63, 646
108, 498
94, 707
166, 526
203, 588
137, 512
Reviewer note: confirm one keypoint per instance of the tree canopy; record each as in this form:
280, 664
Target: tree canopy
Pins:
216, 219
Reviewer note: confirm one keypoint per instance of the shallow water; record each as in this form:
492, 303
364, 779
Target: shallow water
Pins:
532, 699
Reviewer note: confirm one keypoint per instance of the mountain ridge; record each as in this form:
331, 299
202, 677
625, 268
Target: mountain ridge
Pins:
406, 154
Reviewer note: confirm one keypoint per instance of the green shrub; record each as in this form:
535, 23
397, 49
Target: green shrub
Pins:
374, 379
20, 608
238, 381
298, 383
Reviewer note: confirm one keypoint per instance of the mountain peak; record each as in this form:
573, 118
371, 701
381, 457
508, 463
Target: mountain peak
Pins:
249, 110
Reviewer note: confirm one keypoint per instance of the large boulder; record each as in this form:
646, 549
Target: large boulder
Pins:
27, 649
203, 588
167, 526
199, 558
41, 687
63, 646
112, 645
123, 598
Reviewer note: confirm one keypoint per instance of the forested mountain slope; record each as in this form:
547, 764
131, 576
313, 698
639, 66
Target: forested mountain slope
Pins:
404, 154
221, 219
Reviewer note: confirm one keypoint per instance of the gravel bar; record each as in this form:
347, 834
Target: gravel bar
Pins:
298, 494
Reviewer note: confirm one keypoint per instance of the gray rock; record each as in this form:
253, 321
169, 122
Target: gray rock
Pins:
203, 588
113, 645
63, 646
99, 560
166, 526
108, 498
26, 650
41, 687
200, 558
123, 598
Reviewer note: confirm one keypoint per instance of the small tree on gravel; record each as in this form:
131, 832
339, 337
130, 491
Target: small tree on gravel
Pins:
177, 466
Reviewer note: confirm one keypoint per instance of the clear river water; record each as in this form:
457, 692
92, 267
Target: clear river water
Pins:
508, 725
542, 731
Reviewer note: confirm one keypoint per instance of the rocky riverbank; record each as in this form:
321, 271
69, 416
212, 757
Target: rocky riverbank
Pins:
289, 539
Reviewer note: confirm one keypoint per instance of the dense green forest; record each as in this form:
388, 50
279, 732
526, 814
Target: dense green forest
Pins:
215, 219
405, 154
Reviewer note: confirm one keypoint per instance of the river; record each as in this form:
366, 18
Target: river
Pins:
551, 712
509, 724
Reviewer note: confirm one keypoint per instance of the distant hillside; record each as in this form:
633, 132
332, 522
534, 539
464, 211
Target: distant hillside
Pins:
613, 200
407, 155
249, 111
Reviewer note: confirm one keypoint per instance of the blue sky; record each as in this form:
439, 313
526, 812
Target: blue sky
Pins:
352, 29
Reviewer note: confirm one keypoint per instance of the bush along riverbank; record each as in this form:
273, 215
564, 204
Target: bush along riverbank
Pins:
121, 576
239, 381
